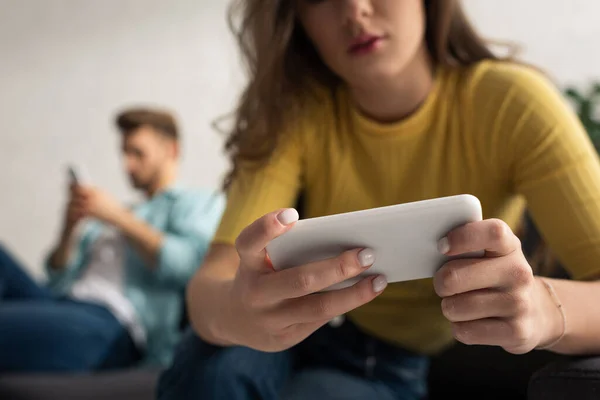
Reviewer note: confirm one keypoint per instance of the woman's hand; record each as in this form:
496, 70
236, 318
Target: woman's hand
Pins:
495, 300
272, 310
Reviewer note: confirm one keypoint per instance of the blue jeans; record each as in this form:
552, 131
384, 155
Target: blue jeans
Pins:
334, 363
42, 333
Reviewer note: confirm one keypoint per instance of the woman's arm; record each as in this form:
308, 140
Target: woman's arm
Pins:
253, 193
560, 178
207, 292
581, 304
542, 150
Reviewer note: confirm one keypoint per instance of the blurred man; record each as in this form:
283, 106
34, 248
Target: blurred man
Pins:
115, 290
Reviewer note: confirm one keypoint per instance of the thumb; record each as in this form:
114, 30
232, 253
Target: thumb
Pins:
252, 242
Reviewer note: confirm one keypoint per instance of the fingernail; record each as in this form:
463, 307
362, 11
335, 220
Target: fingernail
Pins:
444, 245
366, 258
379, 284
288, 216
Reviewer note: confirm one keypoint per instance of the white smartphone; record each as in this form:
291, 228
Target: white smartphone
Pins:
78, 175
404, 237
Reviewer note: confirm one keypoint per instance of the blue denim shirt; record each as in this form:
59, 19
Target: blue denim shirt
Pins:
188, 220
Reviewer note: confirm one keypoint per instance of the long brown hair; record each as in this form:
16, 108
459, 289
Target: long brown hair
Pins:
282, 66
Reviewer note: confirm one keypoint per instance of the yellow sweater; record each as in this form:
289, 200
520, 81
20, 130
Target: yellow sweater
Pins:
496, 130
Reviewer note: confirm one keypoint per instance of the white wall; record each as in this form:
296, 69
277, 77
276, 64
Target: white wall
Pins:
67, 65
560, 36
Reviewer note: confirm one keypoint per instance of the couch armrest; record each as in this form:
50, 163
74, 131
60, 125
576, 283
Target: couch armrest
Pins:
574, 379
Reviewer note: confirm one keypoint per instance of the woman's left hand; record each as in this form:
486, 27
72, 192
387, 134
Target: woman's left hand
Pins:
494, 300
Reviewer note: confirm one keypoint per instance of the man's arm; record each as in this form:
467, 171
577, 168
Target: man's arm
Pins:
144, 238
100, 205
193, 222
59, 257
177, 253
173, 255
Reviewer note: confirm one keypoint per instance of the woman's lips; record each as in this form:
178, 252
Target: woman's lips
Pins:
365, 44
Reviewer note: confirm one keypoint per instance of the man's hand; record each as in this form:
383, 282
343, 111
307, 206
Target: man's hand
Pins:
98, 204
73, 214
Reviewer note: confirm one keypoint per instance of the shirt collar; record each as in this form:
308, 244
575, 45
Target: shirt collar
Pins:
170, 191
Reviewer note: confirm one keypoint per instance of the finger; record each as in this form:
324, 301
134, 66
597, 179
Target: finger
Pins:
77, 211
328, 305
73, 186
296, 333
491, 235
253, 240
77, 202
80, 210
77, 189
489, 331
513, 334
79, 197
75, 218
314, 277
465, 275
482, 304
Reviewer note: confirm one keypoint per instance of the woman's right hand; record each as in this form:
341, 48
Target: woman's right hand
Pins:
274, 310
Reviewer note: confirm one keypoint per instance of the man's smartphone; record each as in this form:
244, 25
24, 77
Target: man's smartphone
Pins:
78, 175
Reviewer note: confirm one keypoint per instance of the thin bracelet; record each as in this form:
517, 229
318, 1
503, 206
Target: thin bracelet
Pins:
563, 315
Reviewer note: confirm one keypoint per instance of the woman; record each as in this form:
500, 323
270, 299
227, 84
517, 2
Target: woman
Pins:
366, 103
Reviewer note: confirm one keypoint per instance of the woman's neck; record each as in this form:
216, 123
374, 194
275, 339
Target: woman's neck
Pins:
393, 99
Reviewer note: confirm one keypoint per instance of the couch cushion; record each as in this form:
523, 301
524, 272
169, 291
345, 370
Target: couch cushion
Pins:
484, 372
575, 379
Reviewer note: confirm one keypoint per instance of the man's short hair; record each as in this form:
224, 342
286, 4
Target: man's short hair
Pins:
162, 121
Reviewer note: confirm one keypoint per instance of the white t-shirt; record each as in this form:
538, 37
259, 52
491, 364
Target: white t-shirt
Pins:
102, 282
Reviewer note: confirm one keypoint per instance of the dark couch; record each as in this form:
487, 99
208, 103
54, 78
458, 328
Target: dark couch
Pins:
118, 385
475, 372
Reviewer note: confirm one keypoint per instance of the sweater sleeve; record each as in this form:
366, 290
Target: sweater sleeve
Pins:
192, 225
258, 191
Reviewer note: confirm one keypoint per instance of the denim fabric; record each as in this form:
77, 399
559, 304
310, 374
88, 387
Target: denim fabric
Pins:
333, 363
42, 333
